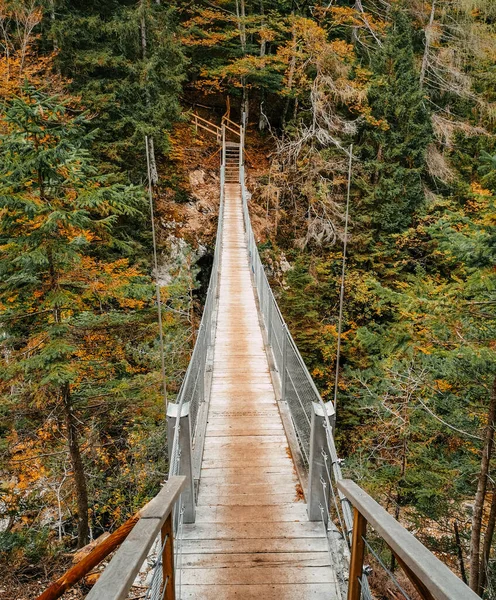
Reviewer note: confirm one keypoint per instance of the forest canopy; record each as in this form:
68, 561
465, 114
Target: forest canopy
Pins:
407, 87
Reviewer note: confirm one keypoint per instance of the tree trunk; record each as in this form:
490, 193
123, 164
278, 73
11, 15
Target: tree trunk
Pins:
241, 15
292, 67
488, 540
77, 468
475, 538
459, 551
151, 145
52, 18
263, 48
91, 560
428, 35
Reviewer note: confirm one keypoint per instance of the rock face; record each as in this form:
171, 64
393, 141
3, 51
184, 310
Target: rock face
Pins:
197, 178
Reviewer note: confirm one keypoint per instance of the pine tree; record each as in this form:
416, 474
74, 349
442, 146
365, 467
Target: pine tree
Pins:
394, 140
126, 63
67, 305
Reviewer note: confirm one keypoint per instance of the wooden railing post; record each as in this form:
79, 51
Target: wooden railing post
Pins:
168, 579
357, 555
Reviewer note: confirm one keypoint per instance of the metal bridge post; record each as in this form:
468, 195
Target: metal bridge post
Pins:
185, 454
319, 497
284, 351
269, 322
241, 145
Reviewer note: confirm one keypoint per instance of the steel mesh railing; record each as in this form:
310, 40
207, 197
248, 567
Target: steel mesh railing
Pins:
193, 386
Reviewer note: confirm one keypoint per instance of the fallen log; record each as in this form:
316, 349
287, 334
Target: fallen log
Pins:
91, 560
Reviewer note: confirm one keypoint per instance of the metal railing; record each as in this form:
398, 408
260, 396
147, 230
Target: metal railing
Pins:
313, 420
152, 540
342, 506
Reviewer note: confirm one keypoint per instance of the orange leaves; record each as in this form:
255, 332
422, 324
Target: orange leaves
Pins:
443, 385
210, 28
106, 281
343, 15
19, 62
478, 190
342, 49
246, 66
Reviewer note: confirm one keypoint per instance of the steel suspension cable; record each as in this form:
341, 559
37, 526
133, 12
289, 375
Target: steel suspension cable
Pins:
157, 285
343, 271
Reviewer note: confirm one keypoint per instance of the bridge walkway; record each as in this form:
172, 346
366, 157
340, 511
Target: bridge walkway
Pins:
252, 538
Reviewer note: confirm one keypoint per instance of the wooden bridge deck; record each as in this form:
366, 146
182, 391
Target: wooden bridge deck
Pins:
252, 538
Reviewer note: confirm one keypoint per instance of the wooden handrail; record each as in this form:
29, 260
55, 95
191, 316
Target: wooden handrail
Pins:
197, 116
120, 573
215, 129
431, 578
225, 118
216, 133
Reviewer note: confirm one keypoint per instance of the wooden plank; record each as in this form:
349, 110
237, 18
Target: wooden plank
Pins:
212, 486
230, 427
255, 546
249, 440
251, 514
247, 559
272, 474
308, 591
255, 530
245, 499
239, 423
251, 538
258, 575
275, 460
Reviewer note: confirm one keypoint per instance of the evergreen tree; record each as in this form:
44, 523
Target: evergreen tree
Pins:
126, 63
394, 140
66, 305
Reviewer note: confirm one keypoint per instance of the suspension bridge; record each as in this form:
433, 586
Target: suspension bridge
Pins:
255, 505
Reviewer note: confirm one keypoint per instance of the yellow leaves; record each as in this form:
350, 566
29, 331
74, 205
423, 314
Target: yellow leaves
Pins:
342, 49
443, 385
478, 190
371, 120
343, 15
248, 65
266, 34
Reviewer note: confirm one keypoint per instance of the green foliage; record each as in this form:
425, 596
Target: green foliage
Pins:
125, 62
78, 320
393, 145
20, 549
